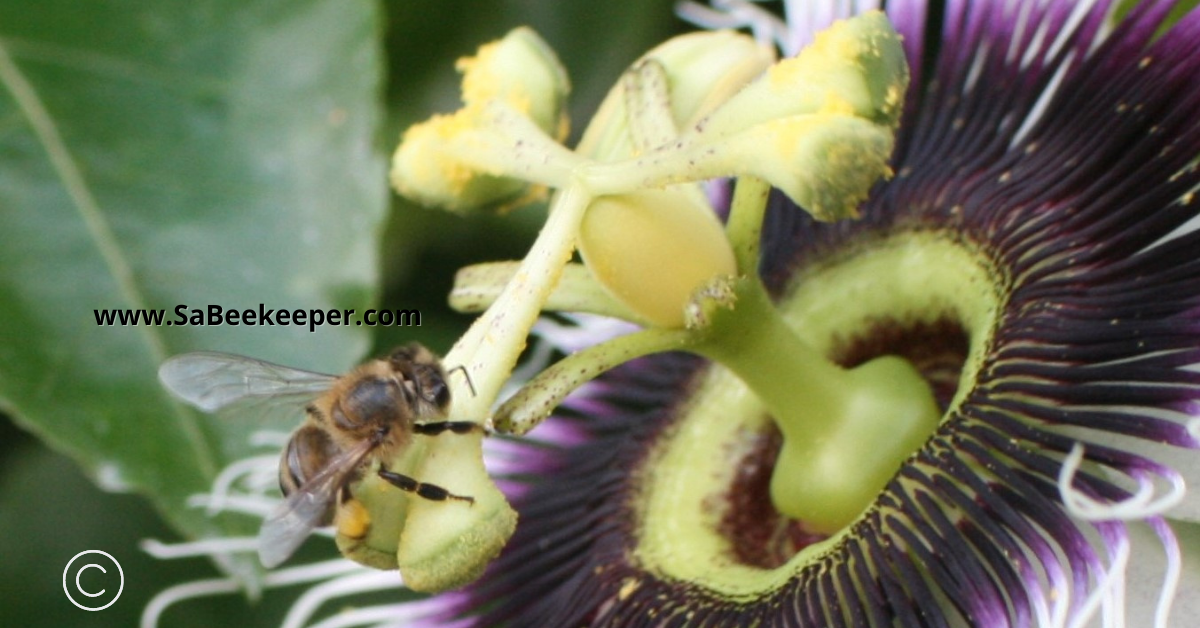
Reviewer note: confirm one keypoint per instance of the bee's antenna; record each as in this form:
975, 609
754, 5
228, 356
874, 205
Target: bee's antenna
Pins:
466, 375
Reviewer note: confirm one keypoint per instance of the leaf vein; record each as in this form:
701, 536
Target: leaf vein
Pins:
76, 187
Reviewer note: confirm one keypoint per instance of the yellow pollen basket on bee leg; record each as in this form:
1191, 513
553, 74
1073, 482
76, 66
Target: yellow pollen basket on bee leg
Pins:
353, 522
369, 525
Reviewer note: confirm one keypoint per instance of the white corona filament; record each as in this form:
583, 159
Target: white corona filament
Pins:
1142, 505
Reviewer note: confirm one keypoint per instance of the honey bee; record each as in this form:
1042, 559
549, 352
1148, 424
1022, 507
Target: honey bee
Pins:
370, 414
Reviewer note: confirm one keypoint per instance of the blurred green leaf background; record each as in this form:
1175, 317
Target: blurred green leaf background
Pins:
233, 152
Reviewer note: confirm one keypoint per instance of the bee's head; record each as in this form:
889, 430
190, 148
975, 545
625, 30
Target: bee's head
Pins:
423, 376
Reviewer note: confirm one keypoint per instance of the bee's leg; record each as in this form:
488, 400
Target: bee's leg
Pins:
458, 427
428, 491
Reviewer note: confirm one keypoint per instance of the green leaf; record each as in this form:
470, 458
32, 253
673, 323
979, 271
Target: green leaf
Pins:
159, 153
1177, 12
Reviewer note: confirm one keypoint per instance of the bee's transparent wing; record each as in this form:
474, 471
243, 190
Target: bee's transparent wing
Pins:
211, 381
291, 523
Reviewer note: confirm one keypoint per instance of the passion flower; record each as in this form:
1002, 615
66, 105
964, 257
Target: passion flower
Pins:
956, 409
1040, 199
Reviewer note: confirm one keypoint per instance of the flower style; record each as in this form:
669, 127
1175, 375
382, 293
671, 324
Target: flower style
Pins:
945, 404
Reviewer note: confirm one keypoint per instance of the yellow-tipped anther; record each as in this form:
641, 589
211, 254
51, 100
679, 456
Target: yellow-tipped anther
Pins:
818, 126
652, 249
429, 167
523, 71
855, 67
514, 91
827, 163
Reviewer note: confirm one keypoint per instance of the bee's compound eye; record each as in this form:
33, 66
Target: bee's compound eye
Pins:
309, 450
436, 391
